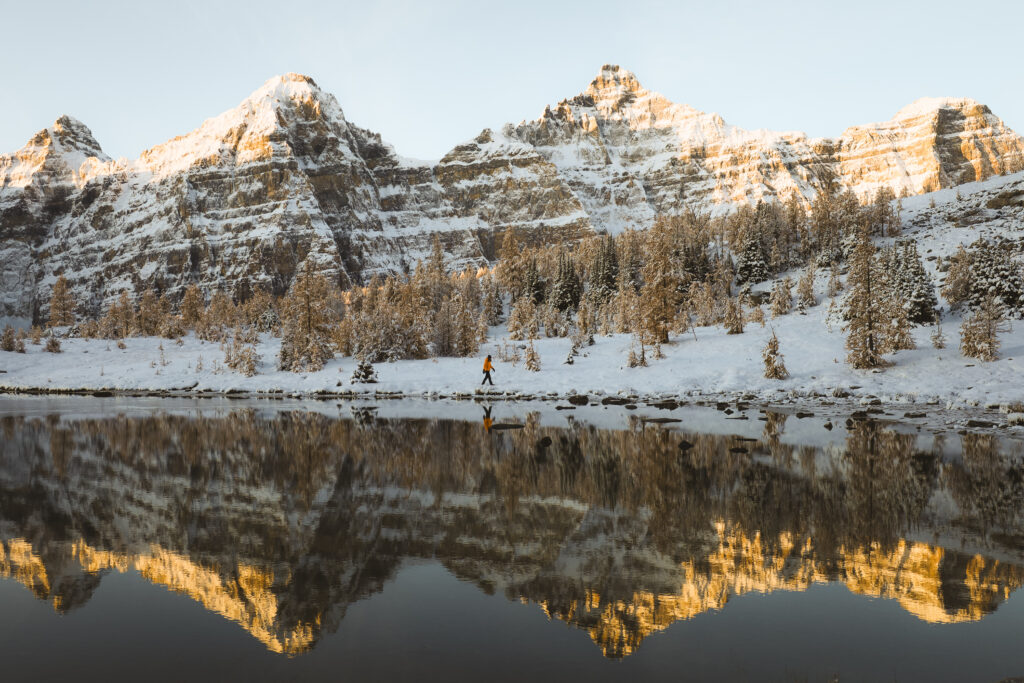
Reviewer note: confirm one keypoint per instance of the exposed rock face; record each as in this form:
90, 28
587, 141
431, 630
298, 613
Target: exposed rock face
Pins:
244, 199
629, 153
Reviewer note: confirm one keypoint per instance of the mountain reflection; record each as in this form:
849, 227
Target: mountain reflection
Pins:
280, 520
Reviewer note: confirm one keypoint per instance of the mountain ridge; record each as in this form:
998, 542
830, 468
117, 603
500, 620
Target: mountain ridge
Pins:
241, 201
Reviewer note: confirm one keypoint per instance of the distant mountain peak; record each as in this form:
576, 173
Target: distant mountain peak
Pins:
282, 177
74, 135
252, 129
67, 135
615, 88
286, 87
926, 105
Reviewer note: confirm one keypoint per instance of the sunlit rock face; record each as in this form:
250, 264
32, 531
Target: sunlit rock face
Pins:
935, 585
237, 204
240, 202
630, 154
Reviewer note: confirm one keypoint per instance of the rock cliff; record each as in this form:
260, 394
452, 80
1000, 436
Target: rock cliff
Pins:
244, 199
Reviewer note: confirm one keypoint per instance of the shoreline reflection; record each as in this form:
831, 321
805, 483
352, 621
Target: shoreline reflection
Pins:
279, 522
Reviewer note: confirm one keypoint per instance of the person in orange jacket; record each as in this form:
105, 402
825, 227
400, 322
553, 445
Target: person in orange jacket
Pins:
488, 369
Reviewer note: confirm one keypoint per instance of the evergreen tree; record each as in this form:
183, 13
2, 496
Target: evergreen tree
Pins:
938, 338
774, 366
364, 373
805, 290
534, 285
835, 283
120, 317
52, 344
260, 314
62, 306
782, 298
467, 332
566, 291
532, 358
993, 272
522, 321
986, 269
865, 306
604, 273
957, 288
192, 306
241, 355
979, 334
897, 333
910, 282
492, 306
733, 316
307, 320
751, 267
7, 340
150, 316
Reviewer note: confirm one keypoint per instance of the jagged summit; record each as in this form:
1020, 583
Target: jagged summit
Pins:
257, 128
928, 105
282, 178
70, 134
286, 90
614, 82
65, 152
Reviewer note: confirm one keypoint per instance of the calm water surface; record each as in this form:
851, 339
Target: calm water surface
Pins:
260, 541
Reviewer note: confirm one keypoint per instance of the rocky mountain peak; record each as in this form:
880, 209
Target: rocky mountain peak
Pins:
63, 152
613, 82
266, 123
616, 91
288, 91
283, 177
931, 105
70, 134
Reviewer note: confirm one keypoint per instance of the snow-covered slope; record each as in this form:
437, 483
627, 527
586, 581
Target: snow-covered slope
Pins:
241, 201
707, 361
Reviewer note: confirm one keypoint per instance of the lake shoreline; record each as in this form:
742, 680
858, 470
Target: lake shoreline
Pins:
992, 418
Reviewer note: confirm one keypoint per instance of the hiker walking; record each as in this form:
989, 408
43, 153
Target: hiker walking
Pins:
487, 419
488, 369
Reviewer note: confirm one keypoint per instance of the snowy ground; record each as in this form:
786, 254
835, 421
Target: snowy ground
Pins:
712, 365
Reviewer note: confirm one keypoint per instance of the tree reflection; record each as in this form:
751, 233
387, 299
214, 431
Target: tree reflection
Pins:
279, 519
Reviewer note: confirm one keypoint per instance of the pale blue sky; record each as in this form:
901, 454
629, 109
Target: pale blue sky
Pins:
427, 75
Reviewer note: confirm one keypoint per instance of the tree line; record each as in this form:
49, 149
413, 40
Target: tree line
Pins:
685, 271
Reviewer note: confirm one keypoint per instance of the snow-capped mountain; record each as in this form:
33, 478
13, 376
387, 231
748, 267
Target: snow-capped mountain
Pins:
244, 199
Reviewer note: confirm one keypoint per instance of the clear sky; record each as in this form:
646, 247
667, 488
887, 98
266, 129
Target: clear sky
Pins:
429, 74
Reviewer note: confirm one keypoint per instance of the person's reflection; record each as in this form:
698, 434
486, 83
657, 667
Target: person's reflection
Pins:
487, 419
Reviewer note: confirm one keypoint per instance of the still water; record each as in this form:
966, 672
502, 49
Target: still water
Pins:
178, 540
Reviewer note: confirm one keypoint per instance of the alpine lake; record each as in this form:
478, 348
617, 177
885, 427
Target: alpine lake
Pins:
217, 539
